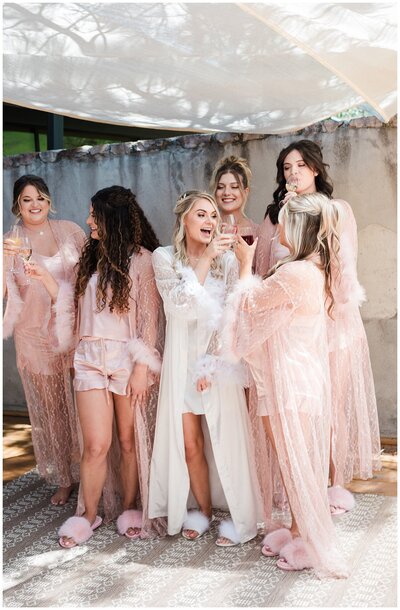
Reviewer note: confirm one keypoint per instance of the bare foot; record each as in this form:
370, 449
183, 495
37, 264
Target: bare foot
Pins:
222, 541
133, 532
61, 496
192, 534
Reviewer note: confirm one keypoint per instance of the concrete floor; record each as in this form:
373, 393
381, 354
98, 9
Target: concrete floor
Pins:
18, 458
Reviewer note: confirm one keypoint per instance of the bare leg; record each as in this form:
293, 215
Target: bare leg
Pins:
197, 464
268, 430
95, 410
125, 416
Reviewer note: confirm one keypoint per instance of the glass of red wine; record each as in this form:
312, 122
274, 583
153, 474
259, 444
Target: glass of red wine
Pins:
247, 234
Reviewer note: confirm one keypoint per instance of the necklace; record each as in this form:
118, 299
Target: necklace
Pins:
40, 232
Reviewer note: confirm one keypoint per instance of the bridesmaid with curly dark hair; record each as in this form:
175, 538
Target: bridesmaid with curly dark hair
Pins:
116, 364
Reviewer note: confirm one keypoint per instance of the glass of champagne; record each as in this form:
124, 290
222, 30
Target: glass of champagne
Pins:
229, 226
292, 184
25, 252
14, 238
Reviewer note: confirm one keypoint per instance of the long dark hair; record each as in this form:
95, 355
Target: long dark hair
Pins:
312, 157
29, 180
122, 228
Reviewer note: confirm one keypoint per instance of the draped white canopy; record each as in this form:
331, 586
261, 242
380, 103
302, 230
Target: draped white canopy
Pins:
261, 68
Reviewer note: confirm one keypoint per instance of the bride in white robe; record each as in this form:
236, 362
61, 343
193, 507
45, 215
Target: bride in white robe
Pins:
203, 454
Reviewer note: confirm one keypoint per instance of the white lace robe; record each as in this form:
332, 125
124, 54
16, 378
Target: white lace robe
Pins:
192, 314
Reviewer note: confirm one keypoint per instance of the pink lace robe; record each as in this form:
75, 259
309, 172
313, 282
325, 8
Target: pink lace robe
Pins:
278, 326
355, 426
145, 321
44, 367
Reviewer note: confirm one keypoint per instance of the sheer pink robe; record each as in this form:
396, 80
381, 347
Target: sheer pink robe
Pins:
45, 370
355, 426
145, 339
278, 326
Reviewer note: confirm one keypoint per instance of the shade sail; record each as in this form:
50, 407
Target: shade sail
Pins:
257, 68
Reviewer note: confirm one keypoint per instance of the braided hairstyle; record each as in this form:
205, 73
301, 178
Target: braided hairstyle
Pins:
122, 228
312, 157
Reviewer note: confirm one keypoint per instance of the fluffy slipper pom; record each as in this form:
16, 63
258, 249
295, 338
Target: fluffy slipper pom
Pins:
295, 553
228, 530
195, 520
77, 528
277, 540
341, 498
127, 519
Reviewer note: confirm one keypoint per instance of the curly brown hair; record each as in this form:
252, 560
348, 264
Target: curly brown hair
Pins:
122, 228
312, 157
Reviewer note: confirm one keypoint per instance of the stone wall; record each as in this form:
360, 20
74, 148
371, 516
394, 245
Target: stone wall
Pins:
362, 159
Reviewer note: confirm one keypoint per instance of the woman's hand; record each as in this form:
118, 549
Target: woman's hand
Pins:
137, 385
36, 272
41, 274
202, 384
289, 195
245, 255
9, 247
220, 244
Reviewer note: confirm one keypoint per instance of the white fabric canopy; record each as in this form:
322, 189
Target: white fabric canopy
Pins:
261, 68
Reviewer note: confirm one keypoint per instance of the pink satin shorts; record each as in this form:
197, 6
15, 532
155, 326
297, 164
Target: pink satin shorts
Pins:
102, 364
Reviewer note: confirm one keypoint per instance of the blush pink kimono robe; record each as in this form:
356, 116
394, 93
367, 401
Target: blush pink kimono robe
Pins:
278, 326
144, 339
44, 365
355, 426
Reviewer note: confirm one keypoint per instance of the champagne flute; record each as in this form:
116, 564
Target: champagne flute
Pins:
291, 187
25, 252
229, 226
14, 237
291, 184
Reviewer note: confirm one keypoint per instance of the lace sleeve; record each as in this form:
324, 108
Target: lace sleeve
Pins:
263, 251
145, 315
346, 288
256, 309
180, 289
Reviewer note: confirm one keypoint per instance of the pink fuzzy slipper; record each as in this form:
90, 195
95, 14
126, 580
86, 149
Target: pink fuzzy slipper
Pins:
130, 519
294, 556
340, 500
274, 541
78, 529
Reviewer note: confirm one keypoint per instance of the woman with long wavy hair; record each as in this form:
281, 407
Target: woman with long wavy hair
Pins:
355, 440
278, 326
203, 455
116, 365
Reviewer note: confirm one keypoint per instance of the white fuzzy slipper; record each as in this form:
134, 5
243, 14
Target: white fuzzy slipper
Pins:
228, 535
196, 521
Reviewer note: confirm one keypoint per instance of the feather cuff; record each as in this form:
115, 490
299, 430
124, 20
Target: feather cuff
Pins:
143, 354
213, 368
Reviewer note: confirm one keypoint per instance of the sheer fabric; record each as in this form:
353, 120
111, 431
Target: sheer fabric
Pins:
355, 426
193, 313
46, 373
279, 328
143, 330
